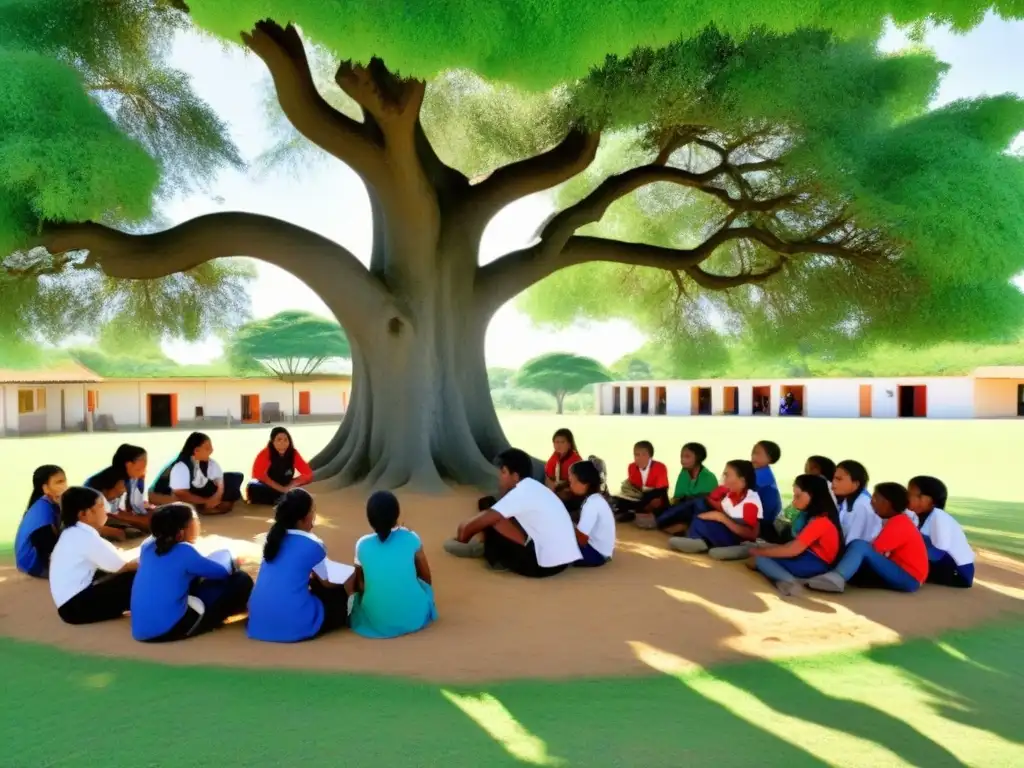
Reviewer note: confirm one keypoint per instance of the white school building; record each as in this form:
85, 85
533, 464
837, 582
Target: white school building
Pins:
71, 398
995, 392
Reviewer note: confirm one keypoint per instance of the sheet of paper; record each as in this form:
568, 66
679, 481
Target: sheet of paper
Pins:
334, 572
223, 557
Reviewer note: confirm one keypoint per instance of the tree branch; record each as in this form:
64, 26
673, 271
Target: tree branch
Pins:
356, 298
352, 142
571, 156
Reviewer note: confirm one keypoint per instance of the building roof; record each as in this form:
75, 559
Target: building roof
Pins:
68, 372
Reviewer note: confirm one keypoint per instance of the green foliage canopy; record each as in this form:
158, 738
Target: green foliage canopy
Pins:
291, 343
560, 374
840, 145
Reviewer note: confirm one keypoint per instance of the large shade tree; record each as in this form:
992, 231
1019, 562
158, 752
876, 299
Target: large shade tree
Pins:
818, 156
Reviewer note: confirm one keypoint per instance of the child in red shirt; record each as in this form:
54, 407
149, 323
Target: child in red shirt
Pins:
897, 557
556, 471
277, 469
816, 547
735, 515
647, 485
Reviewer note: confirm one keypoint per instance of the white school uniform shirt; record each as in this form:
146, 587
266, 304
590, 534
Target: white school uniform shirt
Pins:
182, 479
79, 553
542, 515
860, 522
644, 473
947, 535
735, 511
598, 522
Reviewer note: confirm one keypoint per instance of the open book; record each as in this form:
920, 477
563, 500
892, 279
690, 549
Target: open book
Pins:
334, 572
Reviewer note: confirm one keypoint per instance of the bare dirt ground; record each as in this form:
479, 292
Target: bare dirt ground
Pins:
579, 623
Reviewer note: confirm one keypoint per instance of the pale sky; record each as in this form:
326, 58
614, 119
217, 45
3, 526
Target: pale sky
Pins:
329, 198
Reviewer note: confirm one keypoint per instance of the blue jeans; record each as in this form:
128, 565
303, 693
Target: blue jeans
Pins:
943, 570
591, 558
860, 554
714, 533
806, 565
683, 512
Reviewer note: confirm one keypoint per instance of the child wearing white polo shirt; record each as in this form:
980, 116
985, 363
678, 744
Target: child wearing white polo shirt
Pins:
90, 579
595, 532
950, 557
527, 531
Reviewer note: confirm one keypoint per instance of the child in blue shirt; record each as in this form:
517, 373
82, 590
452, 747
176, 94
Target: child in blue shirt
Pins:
764, 454
39, 526
290, 602
179, 593
392, 575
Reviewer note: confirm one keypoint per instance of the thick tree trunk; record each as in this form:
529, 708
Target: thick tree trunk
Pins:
421, 414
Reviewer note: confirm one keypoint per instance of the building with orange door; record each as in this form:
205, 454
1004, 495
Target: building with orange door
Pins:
72, 398
995, 392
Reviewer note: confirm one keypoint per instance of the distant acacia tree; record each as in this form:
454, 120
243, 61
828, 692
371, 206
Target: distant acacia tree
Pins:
560, 374
633, 369
291, 343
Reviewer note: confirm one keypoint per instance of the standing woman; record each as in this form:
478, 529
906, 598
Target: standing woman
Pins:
90, 579
197, 479
278, 468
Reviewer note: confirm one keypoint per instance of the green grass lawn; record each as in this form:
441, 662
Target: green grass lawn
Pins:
952, 701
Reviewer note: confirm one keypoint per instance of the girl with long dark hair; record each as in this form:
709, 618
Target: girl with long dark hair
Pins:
39, 526
277, 469
196, 479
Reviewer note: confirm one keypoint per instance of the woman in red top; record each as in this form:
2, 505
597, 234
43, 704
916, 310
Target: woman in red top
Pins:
897, 557
815, 549
648, 485
278, 468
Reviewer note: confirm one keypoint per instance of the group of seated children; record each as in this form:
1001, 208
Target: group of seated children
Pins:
835, 531
174, 591
529, 529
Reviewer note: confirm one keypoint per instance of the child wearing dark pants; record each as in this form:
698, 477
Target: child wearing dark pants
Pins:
178, 592
950, 557
734, 518
90, 580
816, 547
646, 486
897, 558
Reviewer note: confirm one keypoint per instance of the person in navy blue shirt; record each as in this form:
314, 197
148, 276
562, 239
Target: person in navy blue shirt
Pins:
39, 526
179, 593
290, 602
764, 454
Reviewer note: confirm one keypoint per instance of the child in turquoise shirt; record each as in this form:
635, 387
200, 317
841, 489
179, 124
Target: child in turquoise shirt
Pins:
395, 596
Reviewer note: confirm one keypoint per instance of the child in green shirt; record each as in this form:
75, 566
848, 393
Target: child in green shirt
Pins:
695, 481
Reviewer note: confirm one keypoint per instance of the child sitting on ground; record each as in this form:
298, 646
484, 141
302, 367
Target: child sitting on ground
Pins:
764, 454
178, 592
735, 516
850, 485
595, 531
39, 526
896, 559
556, 471
817, 546
950, 557
646, 489
789, 524
394, 595
694, 483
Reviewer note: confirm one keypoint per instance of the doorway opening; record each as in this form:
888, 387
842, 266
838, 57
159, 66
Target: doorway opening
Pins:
162, 411
792, 403
865, 401
616, 401
660, 401
761, 401
645, 401
731, 395
700, 401
914, 402
630, 401
250, 409
1020, 399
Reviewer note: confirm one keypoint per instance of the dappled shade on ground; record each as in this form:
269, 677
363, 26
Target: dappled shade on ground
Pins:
581, 623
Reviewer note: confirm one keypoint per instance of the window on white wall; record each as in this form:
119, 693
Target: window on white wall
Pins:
31, 401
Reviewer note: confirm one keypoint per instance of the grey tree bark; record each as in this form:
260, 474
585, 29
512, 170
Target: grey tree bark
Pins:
421, 414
